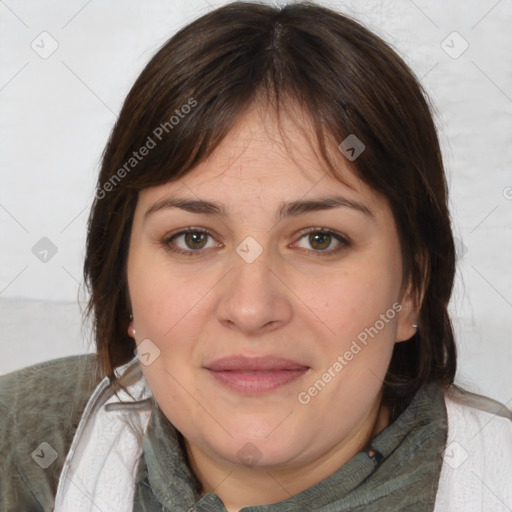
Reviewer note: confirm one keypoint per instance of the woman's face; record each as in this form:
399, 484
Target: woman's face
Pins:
266, 332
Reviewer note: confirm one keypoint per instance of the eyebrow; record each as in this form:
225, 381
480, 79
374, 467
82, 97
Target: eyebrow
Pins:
286, 209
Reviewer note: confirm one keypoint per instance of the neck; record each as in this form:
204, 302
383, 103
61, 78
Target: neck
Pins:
240, 486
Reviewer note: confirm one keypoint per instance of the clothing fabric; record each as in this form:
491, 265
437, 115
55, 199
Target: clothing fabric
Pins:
40, 407
120, 447
99, 471
477, 471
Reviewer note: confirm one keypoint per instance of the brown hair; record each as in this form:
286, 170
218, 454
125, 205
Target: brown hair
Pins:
348, 81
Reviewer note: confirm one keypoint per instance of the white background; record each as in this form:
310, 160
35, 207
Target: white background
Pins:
57, 113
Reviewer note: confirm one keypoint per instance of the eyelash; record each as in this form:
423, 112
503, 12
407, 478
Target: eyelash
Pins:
343, 241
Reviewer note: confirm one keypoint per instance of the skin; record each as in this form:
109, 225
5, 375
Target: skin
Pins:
293, 301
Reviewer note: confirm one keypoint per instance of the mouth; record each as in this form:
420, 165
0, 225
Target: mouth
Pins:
255, 375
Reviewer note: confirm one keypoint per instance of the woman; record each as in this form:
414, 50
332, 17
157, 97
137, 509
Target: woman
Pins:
270, 237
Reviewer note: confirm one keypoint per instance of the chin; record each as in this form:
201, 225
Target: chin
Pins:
264, 450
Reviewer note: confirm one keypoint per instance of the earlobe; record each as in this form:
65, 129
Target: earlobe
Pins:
131, 328
407, 325
406, 332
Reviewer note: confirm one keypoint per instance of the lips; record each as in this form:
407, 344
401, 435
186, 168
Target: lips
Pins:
255, 375
254, 364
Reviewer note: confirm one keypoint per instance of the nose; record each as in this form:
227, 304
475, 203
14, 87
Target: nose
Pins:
254, 298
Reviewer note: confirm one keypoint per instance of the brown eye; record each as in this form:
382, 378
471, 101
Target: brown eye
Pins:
188, 241
320, 241
195, 239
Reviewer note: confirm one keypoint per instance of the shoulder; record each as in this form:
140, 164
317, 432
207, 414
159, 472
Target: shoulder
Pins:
477, 461
40, 407
478, 420
37, 395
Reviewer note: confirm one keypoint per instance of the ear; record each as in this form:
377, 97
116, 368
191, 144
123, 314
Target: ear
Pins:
409, 314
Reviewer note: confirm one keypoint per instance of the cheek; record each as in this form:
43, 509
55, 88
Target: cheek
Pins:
173, 391
159, 296
356, 357
151, 302
361, 311
357, 300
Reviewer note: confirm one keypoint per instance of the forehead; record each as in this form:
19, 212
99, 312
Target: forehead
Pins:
261, 145
267, 159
